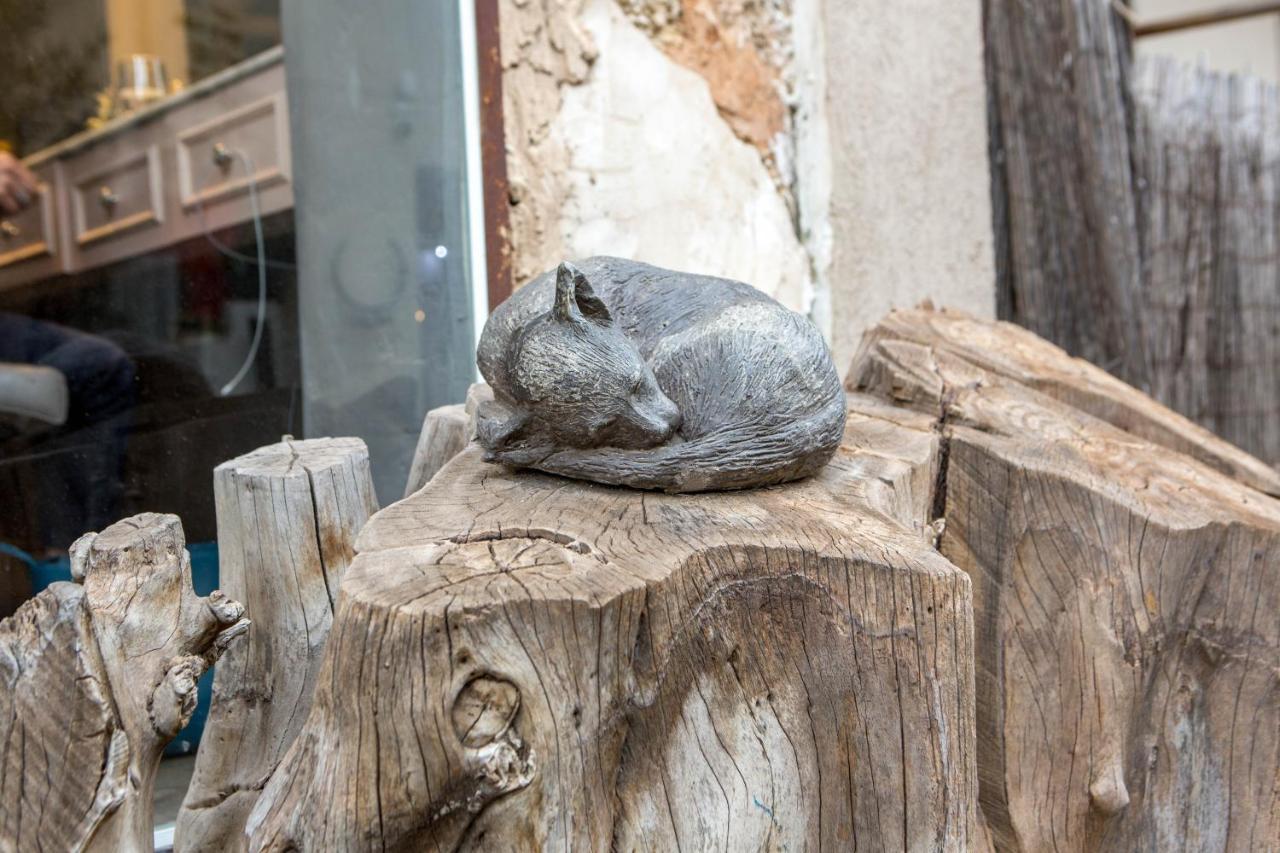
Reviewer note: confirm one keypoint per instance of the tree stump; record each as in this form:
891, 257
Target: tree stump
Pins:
525, 662
1125, 595
96, 677
1014, 354
287, 517
445, 431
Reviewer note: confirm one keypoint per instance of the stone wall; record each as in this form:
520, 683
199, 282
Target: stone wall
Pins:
831, 153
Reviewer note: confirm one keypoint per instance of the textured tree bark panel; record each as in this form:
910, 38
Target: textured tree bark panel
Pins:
1137, 213
525, 662
288, 515
1068, 261
96, 677
1125, 601
1207, 147
445, 431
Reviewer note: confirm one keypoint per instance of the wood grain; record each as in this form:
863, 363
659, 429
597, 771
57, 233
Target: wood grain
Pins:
1125, 601
288, 515
445, 431
96, 677
1137, 211
1013, 353
520, 661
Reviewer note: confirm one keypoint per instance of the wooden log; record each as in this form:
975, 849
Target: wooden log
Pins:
1013, 353
1125, 600
287, 515
445, 431
525, 662
96, 677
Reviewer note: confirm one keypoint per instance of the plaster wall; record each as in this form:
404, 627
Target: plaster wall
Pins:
910, 197
654, 173
833, 154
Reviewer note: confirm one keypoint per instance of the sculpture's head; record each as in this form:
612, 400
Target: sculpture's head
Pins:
581, 381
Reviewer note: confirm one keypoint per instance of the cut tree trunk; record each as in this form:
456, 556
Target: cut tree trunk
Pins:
288, 515
96, 677
1015, 354
1125, 596
445, 431
525, 662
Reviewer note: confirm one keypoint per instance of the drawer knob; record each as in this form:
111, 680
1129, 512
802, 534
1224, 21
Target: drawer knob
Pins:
9, 231
108, 198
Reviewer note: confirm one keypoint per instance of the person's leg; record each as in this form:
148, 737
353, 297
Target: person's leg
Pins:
81, 485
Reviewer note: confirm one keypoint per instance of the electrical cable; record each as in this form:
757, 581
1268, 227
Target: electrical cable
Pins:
262, 275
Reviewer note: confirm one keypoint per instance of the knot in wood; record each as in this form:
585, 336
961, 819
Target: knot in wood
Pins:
484, 710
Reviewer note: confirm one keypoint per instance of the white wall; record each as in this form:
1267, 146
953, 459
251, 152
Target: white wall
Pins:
1247, 46
910, 183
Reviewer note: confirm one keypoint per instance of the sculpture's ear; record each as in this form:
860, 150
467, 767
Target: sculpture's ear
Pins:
576, 300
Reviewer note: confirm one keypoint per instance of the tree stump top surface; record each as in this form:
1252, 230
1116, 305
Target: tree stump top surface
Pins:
594, 540
291, 456
1012, 353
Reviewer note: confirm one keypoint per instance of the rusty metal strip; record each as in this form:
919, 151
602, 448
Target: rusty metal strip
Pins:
493, 154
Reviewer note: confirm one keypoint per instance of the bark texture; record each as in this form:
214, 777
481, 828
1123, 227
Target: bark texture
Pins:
288, 515
520, 661
1137, 213
1068, 261
96, 677
1207, 150
1125, 599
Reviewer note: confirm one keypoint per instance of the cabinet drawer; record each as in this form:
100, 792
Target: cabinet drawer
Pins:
217, 157
32, 233
116, 199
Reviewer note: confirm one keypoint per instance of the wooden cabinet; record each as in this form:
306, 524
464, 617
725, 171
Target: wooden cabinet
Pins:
30, 238
220, 158
180, 168
111, 199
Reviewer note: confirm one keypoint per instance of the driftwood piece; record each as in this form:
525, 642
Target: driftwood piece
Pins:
96, 677
520, 661
288, 515
445, 431
1125, 603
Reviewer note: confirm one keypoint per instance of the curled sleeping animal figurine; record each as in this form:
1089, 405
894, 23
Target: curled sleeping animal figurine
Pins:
628, 374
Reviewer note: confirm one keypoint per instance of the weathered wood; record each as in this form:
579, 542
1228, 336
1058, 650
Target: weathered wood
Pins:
1125, 601
1068, 261
288, 515
1207, 147
1012, 352
445, 431
1137, 213
520, 661
96, 677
